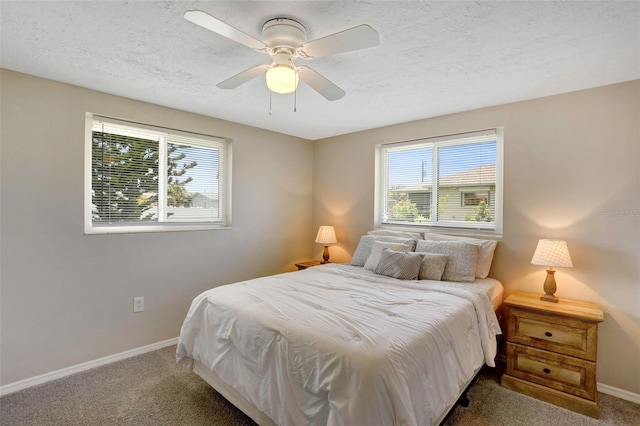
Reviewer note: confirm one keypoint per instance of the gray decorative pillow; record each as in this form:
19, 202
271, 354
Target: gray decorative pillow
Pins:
363, 250
433, 266
397, 264
376, 251
461, 264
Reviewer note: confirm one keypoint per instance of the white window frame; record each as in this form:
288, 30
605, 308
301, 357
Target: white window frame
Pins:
160, 226
493, 229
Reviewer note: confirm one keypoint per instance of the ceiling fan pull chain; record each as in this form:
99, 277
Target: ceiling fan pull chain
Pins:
269, 102
295, 100
295, 84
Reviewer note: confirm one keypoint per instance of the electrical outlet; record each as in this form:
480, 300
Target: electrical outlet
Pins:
138, 304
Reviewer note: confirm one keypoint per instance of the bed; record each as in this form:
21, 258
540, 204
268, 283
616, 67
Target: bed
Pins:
342, 344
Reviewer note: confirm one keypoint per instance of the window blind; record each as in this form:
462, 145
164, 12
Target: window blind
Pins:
124, 174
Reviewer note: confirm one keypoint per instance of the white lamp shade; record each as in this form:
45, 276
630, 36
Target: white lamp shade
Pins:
326, 235
282, 79
552, 253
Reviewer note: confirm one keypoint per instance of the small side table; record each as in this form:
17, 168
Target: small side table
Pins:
551, 350
305, 265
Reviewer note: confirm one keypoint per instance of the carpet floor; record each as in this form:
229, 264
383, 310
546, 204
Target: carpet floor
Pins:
151, 389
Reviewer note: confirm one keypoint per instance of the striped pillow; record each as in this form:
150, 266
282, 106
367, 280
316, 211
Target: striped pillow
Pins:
397, 264
376, 251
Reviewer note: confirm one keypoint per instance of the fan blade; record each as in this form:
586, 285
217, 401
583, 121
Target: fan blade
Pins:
355, 38
243, 77
320, 84
207, 21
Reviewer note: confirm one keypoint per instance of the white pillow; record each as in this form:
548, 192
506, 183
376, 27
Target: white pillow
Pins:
400, 265
393, 233
376, 251
486, 249
363, 250
461, 264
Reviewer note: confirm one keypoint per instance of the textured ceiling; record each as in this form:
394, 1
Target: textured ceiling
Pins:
434, 58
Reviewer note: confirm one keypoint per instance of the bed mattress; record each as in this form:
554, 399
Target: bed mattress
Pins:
339, 345
493, 289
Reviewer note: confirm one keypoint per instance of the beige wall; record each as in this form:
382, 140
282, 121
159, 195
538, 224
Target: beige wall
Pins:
572, 171
60, 305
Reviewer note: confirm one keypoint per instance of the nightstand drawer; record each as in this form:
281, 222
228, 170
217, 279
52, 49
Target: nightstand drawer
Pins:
564, 336
560, 372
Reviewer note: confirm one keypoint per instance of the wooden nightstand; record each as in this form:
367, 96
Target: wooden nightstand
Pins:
305, 265
551, 350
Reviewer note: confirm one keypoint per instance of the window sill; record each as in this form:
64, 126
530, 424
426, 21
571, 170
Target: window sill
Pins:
146, 229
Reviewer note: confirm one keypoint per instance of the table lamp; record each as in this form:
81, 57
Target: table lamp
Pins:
326, 235
551, 253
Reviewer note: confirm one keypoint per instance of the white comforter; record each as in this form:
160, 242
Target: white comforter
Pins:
339, 345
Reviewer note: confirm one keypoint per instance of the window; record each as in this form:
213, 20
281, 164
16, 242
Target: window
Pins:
140, 178
445, 182
474, 198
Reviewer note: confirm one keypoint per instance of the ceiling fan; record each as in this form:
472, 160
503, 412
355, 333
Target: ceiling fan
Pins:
285, 40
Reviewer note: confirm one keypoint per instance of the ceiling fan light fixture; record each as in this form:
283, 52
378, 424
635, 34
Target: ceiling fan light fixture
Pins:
282, 78
285, 39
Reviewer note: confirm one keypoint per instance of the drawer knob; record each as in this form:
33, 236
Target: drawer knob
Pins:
548, 333
546, 370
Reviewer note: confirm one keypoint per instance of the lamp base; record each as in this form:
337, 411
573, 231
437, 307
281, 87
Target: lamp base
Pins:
549, 298
550, 287
325, 255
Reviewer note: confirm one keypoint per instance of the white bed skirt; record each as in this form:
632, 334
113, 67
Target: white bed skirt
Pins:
231, 395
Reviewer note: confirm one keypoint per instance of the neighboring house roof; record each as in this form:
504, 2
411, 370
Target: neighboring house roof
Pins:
478, 176
206, 195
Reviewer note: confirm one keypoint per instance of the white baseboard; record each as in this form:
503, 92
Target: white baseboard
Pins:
47, 377
619, 393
